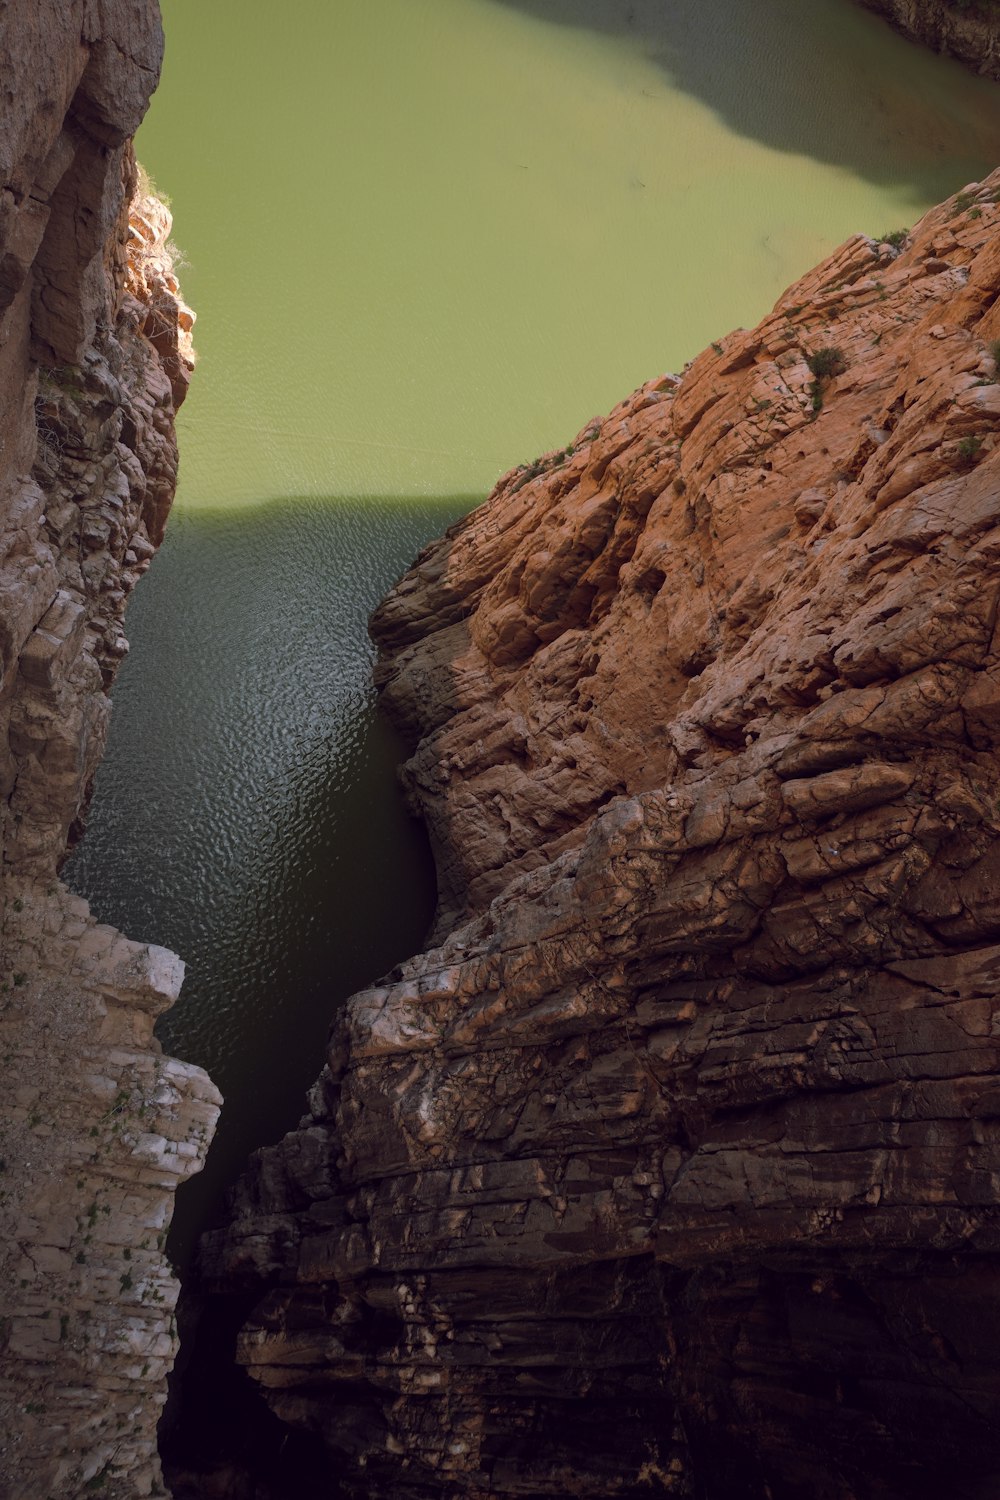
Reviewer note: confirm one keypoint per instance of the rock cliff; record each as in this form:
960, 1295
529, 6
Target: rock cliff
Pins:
97, 1127
674, 1167
968, 29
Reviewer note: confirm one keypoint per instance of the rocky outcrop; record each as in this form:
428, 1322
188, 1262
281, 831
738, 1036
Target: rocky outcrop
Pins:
968, 29
97, 1127
674, 1167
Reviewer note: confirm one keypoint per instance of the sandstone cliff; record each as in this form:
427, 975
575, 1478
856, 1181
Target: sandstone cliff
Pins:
97, 1127
675, 1167
968, 29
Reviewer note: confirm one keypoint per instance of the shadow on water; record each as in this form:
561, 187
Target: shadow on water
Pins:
247, 813
843, 87
353, 895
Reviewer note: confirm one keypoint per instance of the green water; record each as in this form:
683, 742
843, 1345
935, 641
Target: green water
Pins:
246, 813
428, 239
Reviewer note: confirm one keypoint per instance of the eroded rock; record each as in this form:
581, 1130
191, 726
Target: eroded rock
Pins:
968, 29
673, 1167
98, 1127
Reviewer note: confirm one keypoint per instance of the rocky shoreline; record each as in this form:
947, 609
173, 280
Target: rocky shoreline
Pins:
970, 32
672, 1167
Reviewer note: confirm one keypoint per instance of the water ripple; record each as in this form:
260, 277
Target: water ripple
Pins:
247, 813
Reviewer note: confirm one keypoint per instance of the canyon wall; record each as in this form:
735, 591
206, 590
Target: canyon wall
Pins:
98, 1128
969, 31
673, 1167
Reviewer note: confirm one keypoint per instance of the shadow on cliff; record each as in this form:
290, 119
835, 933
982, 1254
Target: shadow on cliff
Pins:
844, 87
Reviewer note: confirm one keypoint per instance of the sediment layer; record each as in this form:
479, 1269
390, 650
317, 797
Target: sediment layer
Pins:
673, 1168
98, 1127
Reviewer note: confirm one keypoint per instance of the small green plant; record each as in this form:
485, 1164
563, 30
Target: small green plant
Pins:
145, 187
823, 364
969, 448
895, 237
827, 362
993, 349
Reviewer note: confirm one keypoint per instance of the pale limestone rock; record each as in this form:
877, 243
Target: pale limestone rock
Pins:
98, 1127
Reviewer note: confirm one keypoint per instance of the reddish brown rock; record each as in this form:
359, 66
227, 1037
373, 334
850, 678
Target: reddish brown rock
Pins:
674, 1167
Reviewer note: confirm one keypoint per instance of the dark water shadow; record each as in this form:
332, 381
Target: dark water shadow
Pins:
841, 86
355, 897
247, 814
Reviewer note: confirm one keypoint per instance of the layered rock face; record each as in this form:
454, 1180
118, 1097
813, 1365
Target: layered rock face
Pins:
968, 29
97, 1127
675, 1167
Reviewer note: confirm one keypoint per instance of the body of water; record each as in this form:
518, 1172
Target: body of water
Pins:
427, 239
247, 812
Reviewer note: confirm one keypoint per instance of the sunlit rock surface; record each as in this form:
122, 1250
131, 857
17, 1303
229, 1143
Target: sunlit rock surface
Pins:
97, 1127
673, 1168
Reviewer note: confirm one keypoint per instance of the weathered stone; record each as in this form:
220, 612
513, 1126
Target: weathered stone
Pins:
967, 28
674, 1167
98, 1127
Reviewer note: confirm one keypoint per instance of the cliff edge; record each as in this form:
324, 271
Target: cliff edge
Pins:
674, 1167
98, 1127
968, 29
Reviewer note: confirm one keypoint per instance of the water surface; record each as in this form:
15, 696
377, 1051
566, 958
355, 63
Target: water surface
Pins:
429, 239
247, 814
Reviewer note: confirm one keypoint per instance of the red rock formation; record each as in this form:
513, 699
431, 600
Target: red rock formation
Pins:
674, 1168
968, 29
97, 1127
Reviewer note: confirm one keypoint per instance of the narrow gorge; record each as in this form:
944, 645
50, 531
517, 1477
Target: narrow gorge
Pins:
671, 1166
